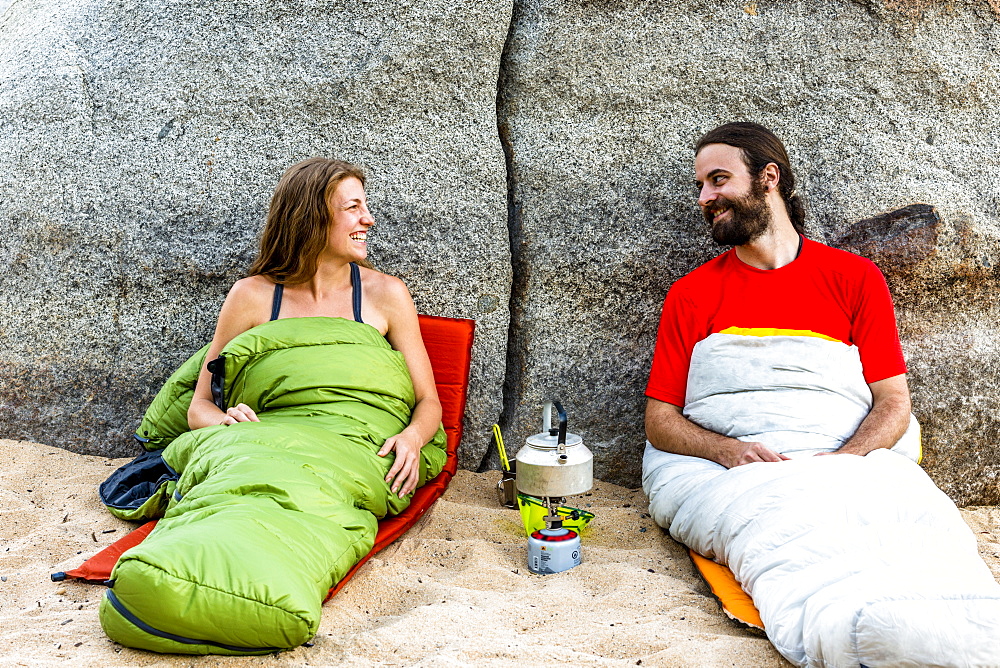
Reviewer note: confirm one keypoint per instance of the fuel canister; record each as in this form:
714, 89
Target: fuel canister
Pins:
553, 551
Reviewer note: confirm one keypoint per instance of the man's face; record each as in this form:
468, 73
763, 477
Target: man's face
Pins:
734, 204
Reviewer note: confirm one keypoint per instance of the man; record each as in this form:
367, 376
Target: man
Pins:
782, 348
773, 294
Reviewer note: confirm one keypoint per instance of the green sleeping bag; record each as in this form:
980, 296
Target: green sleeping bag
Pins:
267, 516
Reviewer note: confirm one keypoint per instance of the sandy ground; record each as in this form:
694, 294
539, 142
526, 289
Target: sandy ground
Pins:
454, 591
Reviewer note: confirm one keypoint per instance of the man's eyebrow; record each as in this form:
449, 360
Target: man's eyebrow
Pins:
710, 175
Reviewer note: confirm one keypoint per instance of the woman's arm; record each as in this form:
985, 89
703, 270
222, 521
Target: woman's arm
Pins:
404, 335
245, 302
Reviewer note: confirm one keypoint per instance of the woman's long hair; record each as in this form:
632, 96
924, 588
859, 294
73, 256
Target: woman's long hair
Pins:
298, 221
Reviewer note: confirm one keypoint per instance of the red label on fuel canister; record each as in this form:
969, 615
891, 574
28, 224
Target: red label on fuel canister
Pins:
569, 535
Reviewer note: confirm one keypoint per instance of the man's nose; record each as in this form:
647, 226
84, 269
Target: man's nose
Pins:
706, 195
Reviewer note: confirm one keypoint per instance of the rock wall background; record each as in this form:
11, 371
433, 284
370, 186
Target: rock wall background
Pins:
530, 167
140, 144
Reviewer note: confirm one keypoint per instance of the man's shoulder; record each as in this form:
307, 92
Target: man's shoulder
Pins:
836, 259
710, 272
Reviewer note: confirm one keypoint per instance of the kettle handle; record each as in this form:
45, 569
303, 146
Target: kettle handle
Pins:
547, 419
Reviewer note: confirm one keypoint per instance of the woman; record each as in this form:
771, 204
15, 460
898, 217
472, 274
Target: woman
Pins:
262, 515
313, 243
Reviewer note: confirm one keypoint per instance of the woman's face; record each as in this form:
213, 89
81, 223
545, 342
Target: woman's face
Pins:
349, 221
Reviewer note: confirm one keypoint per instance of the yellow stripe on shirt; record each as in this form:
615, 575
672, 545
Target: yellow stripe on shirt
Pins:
775, 331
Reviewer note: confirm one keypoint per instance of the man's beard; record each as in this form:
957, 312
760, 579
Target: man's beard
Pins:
749, 217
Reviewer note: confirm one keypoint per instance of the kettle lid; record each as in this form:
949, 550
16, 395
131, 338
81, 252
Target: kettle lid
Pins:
550, 441
551, 436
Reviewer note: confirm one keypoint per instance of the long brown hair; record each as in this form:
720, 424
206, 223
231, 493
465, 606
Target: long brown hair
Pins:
299, 219
760, 147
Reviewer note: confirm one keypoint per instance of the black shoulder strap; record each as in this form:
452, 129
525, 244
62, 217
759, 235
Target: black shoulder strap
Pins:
279, 290
356, 291
217, 368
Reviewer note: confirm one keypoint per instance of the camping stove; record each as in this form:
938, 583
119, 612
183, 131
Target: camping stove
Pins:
551, 466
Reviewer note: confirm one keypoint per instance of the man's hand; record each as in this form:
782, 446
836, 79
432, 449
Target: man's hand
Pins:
405, 471
752, 452
667, 429
846, 450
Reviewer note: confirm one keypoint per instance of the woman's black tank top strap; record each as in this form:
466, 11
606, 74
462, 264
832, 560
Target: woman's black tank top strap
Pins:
279, 290
356, 291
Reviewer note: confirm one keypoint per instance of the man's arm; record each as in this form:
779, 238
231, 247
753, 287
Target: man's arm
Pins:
667, 429
887, 420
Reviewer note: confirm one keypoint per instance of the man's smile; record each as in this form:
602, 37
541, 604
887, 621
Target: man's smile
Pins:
718, 212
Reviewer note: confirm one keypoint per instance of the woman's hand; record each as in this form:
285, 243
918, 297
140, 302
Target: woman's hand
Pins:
405, 472
239, 413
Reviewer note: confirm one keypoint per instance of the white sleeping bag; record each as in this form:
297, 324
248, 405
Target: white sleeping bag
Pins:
850, 560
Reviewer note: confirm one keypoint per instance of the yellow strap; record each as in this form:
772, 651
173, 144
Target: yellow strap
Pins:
498, 437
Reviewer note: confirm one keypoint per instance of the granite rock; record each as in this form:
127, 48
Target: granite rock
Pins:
880, 107
530, 167
944, 280
140, 142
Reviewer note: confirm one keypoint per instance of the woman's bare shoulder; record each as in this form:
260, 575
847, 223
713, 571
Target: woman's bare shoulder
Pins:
249, 299
252, 288
389, 295
384, 286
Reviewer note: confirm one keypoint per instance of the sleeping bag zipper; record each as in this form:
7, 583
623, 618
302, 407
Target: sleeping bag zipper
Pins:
143, 626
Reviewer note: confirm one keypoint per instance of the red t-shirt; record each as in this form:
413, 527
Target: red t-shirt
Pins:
824, 291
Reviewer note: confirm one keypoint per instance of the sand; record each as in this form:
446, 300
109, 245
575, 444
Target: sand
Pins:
454, 591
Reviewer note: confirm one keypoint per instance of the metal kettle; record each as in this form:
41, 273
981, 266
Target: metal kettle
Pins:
554, 463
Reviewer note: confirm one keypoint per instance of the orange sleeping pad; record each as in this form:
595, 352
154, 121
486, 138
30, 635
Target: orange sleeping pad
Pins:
735, 602
449, 347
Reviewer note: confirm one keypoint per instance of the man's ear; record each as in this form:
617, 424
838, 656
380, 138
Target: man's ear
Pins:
770, 176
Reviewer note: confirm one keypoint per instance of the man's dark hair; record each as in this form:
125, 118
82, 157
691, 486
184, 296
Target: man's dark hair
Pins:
760, 147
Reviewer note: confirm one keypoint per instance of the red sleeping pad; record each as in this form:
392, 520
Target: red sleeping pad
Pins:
449, 346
